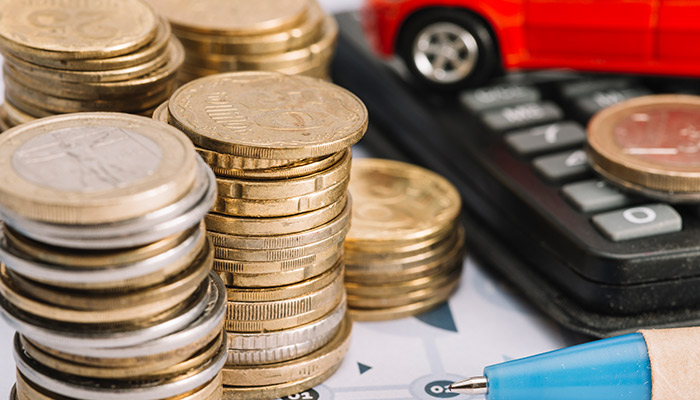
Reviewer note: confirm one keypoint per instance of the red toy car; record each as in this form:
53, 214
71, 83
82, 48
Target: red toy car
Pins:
456, 43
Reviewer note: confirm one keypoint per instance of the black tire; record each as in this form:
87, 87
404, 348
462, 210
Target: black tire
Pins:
475, 67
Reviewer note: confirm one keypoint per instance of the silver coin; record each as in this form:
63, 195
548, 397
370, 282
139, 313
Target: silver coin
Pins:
200, 327
23, 264
76, 387
271, 347
150, 228
60, 335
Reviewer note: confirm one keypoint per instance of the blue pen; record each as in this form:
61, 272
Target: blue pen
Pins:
648, 365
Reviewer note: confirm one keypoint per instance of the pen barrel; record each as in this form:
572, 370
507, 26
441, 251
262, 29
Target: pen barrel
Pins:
616, 368
674, 355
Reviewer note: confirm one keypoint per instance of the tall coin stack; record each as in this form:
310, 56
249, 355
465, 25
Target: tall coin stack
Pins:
106, 266
291, 36
111, 55
405, 250
279, 145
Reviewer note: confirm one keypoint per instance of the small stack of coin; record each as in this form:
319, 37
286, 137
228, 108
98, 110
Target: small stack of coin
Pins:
291, 36
404, 252
279, 145
105, 264
92, 56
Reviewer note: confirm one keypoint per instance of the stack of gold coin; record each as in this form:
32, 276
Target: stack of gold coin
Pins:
279, 146
404, 252
113, 55
105, 264
291, 36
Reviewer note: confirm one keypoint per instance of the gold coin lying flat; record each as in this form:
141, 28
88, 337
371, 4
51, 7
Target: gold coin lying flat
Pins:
396, 201
289, 276
268, 115
383, 314
279, 390
277, 42
93, 168
233, 17
651, 145
85, 29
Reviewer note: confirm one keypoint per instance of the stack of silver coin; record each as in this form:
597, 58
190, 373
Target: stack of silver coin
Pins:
106, 266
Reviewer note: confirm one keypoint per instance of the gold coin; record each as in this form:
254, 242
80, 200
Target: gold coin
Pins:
393, 301
85, 29
294, 240
383, 314
93, 168
330, 253
396, 201
280, 207
650, 145
453, 256
233, 17
181, 284
322, 48
386, 265
280, 390
322, 359
132, 310
296, 169
279, 42
228, 161
92, 259
283, 314
358, 256
268, 115
289, 276
145, 85
5, 124
140, 371
37, 102
16, 116
285, 292
290, 253
405, 246
286, 188
271, 226
380, 289
139, 56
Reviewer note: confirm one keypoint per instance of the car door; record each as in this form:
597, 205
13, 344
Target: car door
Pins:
679, 30
593, 30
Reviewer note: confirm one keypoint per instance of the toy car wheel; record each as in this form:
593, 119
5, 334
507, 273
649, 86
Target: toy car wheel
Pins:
448, 49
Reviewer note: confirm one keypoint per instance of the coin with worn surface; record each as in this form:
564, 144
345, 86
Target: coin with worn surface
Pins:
650, 145
76, 29
93, 168
396, 201
271, 374
237, 17
268, 115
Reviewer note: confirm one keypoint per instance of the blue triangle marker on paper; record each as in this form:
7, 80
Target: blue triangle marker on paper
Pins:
363, 368
440, 317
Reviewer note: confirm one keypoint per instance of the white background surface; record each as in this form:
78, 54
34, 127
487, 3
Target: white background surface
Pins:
492, 326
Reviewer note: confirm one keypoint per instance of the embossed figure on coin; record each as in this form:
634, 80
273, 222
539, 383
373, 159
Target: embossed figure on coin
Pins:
87, 159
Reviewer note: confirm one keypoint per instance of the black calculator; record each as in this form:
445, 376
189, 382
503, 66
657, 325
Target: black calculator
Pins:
596, 259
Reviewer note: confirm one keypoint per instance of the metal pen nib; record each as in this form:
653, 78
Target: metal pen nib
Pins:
473, 385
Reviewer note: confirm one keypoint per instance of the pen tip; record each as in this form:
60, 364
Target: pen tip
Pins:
473, 385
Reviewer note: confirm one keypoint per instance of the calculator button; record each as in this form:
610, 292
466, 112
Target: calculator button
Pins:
522, 115
563, 166
594, 195
499, 96
592, 103
586, 86
638, 222
546, 138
